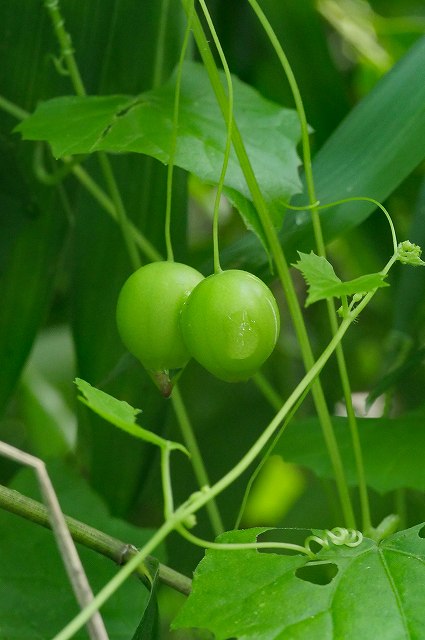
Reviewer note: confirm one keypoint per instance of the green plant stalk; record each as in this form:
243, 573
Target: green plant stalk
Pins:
229, 546
13, 109
196, 457
122, 217
109, 589
91, 538
65, 43
176, 107
352, 421
400, 505
228, 147
283, 272
199, 499
106, 203
160, 49
318, 234
55, 177
67, 53
267, 390
167, 487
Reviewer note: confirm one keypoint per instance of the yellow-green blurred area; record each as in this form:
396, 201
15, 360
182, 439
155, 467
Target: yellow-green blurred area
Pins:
370, 35
276, 488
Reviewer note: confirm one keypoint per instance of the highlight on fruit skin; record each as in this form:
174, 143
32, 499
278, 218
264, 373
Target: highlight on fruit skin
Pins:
148, 316
230, 323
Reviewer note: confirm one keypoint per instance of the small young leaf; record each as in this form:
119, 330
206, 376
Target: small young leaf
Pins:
120, 414
257, 596
322, 282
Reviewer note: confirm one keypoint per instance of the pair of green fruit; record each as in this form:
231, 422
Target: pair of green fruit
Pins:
167, 312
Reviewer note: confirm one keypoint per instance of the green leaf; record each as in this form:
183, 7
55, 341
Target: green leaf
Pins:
76, 125
37, 600
375, 593
148, 626
119, 124
396, 375
121, 414
33, 234
324, 283
388, 445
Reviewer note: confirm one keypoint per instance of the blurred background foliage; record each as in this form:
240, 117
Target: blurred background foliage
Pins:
62, 260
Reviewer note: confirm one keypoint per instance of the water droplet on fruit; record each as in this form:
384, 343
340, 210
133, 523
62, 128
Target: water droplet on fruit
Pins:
242, 335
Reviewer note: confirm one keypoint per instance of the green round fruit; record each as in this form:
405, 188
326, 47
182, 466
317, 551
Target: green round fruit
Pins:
148, 313
230, 324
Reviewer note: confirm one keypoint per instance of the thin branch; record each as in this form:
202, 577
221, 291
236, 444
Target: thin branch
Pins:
98, 541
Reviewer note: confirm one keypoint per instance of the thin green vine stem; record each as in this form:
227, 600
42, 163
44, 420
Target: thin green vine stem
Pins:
268, 391
234, 546
170, 167
283, 272
110, 588
157, 75
321, 248
122, 217
65, 43
195, 502
13, 109
229, 125
201, 498
319, 206
199, 469
67, 54
158, 66
106, 203
167, 487
266, 455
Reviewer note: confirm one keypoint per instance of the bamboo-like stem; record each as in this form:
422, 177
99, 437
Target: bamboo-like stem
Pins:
98, 541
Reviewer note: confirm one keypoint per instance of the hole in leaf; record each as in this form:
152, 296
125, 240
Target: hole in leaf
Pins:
317, 573
421, 533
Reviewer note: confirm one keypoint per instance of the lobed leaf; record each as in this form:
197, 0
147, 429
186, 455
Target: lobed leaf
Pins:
144, 124
375, 593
